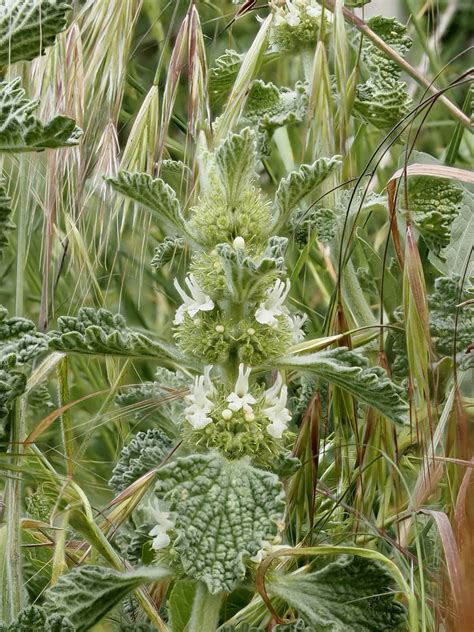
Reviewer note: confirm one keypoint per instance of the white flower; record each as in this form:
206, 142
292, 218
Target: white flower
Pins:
197, 302
199, 401
241, 398
273, 305
164, 523
313, 12
293, 18
296, 323
276, 411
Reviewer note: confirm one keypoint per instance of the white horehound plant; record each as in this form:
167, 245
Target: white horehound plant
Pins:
219, 505
218, 508
209, 482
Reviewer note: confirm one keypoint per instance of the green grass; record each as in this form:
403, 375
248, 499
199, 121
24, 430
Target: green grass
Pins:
365, 255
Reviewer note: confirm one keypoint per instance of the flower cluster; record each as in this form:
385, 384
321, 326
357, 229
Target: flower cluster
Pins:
164, 523
247, 421
274, 306
296, 24
263, 330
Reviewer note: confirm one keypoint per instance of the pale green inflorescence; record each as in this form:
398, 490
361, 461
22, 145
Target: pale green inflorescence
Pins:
297, 24
234, 314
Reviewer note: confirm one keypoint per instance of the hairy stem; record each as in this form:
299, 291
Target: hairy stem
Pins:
13, 489
205, 612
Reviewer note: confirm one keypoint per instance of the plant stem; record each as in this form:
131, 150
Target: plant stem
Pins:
205, 612
13, 489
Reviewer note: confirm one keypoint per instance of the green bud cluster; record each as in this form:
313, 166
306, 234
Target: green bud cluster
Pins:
214, 337
216, 219
237, 433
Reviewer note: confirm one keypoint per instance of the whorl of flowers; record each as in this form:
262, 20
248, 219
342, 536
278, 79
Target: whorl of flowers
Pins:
296, 24
247, 421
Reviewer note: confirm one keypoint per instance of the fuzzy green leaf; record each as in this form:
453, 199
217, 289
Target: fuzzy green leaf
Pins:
395, 35
236, 162
298, 184
180, 604
348, 594
159, 402
382, 103
87, 593
167, 250
5, 212
444, 325
96, 332
35, 619
318, 219
350, 371
223, 74
383, 100
153, 193
458, 252
27, 27
269, 107
20, 131
434, 204
225, 510
20, 343
145, 451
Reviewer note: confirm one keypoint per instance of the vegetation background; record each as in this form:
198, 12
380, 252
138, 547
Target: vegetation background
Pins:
408, 494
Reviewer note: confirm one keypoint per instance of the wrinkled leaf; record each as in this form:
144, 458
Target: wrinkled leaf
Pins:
351, 593
20, 131
27, 27
434, 204
20, 344
35, 619
235, 161
96, 332
167, 250
145, 451
87, 593
5, 211
298, 184
225, 509
350, 371
153, 193
223, 74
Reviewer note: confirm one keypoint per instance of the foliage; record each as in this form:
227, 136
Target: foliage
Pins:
35, 618
87, 593
100, 332
27, 27
350, 371
236, 505
145, 451
349, 593
253, 341
20, 131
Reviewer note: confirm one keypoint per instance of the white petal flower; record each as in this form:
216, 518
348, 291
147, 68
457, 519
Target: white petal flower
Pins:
276, 411
199, 400
241, 398
296, 323
273, 305
197, 302
293, 18
197, 418
164, 523
313, 12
